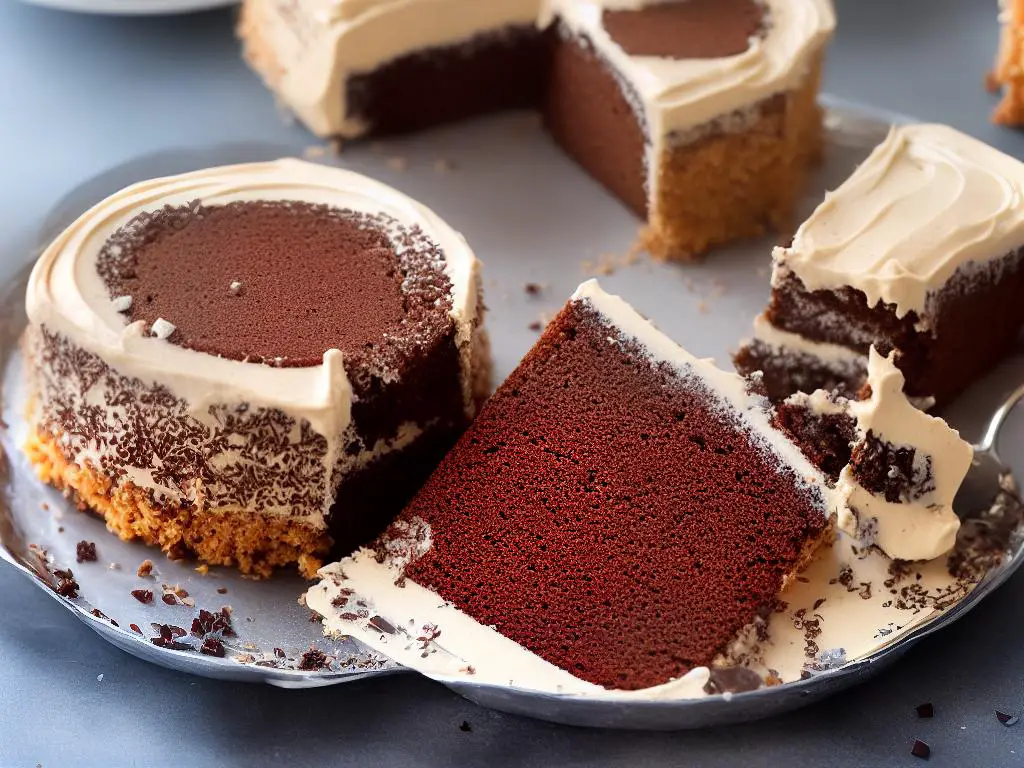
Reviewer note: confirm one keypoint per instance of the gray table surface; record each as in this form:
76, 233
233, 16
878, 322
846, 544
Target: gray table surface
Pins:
80, 94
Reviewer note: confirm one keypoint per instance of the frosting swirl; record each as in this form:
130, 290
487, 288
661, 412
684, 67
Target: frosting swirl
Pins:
928, 201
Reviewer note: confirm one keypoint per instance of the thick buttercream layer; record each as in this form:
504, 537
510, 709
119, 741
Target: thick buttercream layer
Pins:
927, 202
366, 597
68, 299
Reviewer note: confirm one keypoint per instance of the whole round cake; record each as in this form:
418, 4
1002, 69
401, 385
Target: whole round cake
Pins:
252, 363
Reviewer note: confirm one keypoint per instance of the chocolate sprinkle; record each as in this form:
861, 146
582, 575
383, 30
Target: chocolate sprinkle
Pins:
920, 749
1007, 719
314, 660
925, 710
212, 647
85, 552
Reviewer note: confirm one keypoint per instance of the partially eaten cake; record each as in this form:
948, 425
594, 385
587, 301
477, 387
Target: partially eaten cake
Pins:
621, 515
920, 251
252, 364
700, 115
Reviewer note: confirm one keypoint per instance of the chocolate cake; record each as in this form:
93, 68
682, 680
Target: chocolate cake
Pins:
700, 115
896, 469
252, 363
919, 251
617, 514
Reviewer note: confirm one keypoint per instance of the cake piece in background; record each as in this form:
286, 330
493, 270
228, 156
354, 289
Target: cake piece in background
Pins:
919, 251
897, 469
700, 115
1007, 76
252, 363
616, 516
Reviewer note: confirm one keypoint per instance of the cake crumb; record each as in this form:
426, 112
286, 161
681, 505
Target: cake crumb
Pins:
536, 326
145, 569
162, 329
533, 289
702, 307
122, 303
398, 163
203, 569
85, 552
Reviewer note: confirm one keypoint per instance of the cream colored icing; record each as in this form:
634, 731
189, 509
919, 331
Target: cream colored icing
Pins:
319, 45
834, 355
926, 527
927, 202
468, 651
67, 295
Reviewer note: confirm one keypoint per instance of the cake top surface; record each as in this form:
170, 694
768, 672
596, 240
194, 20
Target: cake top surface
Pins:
928, 201
555, 535
237, 263
686, 62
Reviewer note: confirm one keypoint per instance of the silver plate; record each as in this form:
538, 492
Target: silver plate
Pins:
483, 177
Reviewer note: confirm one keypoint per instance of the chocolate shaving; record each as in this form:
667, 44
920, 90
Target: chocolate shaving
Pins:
920, 749
144, 596
1007, 719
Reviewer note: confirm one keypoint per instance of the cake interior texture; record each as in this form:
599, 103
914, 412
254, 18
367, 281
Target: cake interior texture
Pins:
735, 175
272, 284
611, 514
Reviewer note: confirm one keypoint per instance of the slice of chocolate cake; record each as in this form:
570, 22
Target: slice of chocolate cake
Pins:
616, 516
700, 115
920, 251
897, 469
251, 363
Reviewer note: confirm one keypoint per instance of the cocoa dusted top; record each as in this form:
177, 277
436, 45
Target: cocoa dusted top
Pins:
277, 282
694, 29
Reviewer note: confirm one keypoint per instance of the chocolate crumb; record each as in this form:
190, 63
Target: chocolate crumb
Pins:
145, 569
533, 289
465, 726
212, 647
279, 653
60, 529
211, 623
313, 660
85, 552
1007, 719
144, 596
920, 749
222, 590
379, 622
925, 710
66, 584
535, 326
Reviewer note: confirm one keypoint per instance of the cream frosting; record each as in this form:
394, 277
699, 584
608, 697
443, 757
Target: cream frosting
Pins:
67, 296
922, 528
434, 637
927, 202
319, 45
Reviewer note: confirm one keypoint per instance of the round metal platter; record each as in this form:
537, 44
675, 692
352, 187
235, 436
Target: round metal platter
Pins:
483, 177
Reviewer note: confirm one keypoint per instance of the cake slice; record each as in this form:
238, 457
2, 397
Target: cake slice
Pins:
252, 364
920, 251
617, 515
700, 115
896, 468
